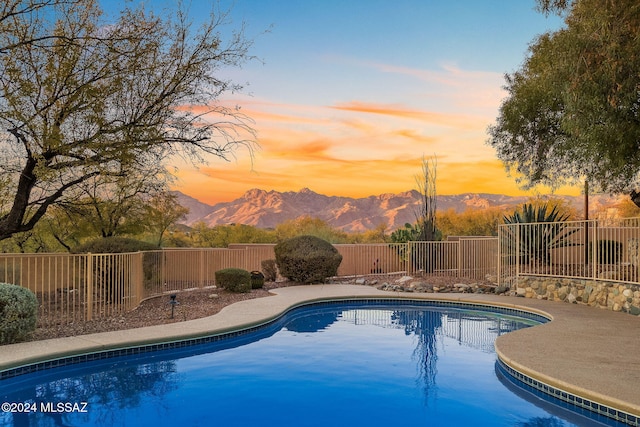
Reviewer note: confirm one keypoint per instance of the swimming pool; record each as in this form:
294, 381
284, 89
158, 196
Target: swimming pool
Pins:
356, 363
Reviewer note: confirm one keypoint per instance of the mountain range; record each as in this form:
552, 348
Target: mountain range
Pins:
266, 209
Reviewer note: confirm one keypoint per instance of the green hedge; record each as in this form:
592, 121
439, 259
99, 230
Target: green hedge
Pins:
307, 259
234, 279
18, 313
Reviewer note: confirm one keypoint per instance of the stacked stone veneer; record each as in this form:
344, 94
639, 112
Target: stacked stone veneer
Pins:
606, 295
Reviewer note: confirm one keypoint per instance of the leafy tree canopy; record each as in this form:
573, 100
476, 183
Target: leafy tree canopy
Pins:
573, 109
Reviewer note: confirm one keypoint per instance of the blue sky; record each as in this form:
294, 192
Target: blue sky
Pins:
349, 95
329, 51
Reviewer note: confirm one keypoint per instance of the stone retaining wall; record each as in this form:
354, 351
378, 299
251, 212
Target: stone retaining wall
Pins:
606, 295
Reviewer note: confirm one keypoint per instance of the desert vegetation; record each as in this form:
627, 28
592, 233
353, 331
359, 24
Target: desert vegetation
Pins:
234, 280
307, 259
93, 109
18, 311
70, 232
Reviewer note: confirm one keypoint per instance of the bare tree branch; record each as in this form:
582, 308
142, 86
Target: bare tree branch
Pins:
81, 98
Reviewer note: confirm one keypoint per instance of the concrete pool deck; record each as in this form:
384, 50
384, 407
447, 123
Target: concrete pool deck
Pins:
588, 352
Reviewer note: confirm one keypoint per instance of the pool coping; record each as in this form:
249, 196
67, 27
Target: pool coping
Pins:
566, 366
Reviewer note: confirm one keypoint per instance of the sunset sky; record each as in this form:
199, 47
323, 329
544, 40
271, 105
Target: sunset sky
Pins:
348, 96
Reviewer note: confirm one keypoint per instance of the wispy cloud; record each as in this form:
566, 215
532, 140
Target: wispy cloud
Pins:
473, 91
433, 118
359, 148
448, 75
352, 113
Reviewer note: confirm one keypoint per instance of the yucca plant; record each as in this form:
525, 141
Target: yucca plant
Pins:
543, 232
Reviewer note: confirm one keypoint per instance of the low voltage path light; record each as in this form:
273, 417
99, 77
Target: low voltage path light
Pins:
173, 303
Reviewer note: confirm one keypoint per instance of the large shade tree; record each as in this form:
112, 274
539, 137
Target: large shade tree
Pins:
83, 97
572, 112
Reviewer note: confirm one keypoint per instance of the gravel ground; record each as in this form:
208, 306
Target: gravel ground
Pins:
193, 304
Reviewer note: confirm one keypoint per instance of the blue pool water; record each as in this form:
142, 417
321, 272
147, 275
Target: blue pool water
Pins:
330, 365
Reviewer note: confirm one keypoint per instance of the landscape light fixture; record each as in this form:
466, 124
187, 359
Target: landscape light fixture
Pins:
173, 303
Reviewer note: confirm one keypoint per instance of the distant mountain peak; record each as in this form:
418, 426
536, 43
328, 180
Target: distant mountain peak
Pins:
267, 209
254, 193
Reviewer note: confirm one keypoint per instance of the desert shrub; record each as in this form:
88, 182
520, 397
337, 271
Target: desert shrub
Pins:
18, 313
269, 269
407, 234
307, 259
115, 245
234, 279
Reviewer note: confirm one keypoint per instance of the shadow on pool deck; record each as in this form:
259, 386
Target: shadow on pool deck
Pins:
592, 353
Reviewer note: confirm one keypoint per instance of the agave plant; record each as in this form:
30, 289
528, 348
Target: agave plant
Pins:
531, 214
543, 231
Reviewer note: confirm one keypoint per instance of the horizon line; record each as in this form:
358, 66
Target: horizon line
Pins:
529, 196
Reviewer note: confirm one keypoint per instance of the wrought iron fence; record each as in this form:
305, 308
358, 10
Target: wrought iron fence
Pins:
595, 249
58, 281
81, 287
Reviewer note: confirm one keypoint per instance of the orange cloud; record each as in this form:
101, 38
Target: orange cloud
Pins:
355, 148
309, 150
